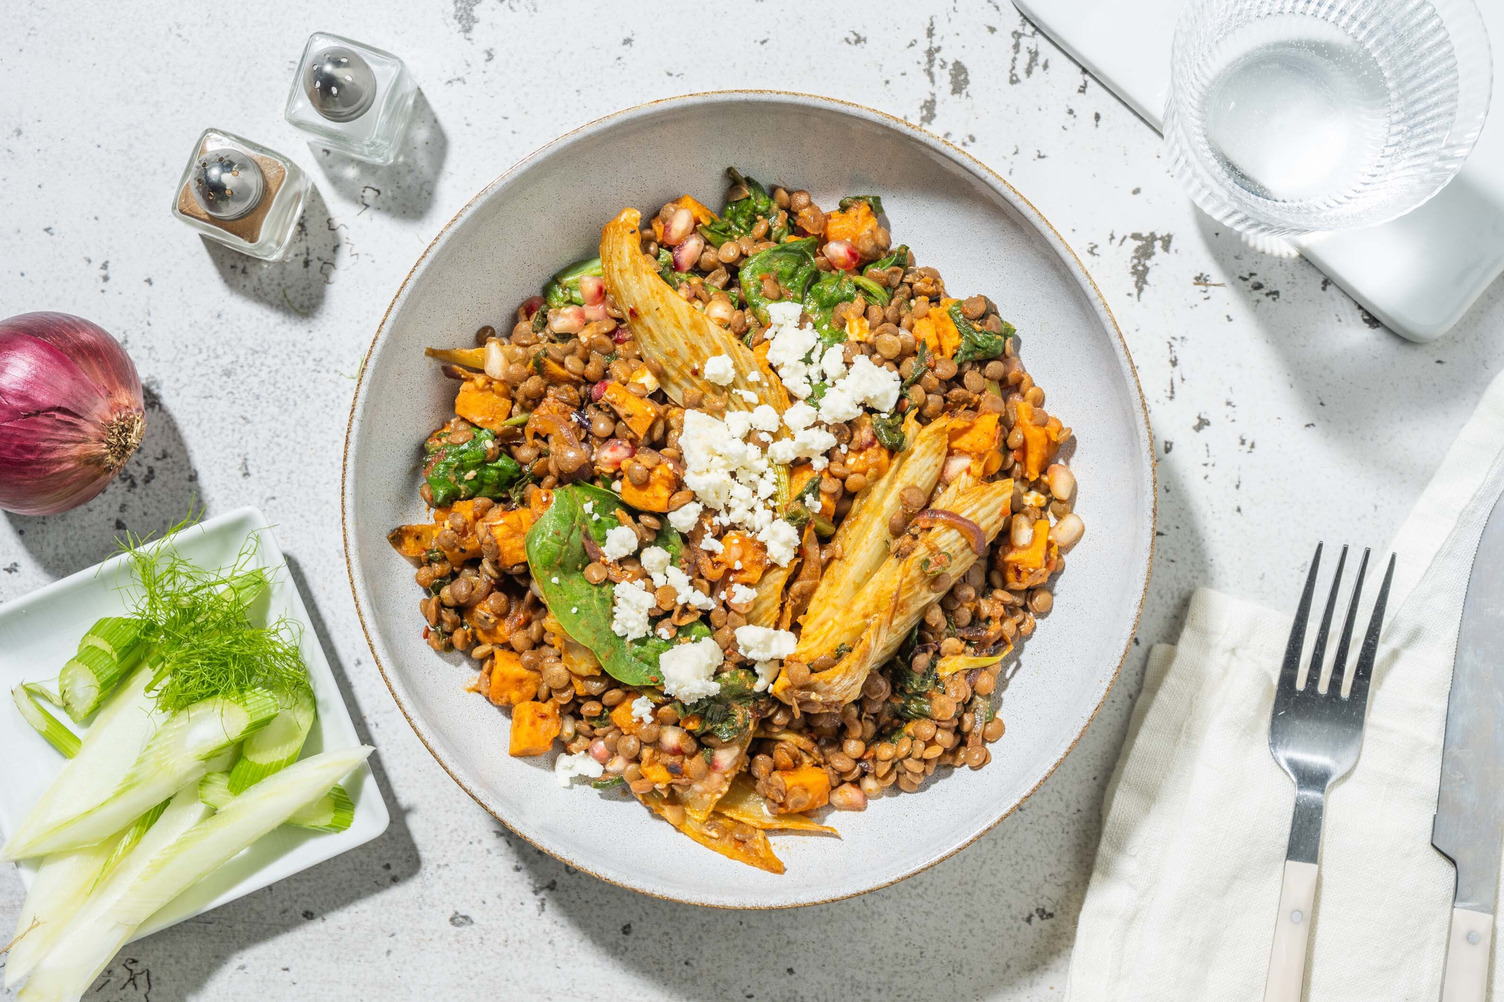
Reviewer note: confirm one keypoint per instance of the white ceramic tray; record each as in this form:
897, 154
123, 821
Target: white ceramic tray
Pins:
1419, 273
39, 632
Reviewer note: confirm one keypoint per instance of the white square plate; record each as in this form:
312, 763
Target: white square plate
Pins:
40, 632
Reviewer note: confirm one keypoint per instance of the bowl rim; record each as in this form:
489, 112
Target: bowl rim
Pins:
962, 159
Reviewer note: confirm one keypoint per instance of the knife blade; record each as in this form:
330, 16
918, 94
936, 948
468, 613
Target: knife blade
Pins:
1469, 825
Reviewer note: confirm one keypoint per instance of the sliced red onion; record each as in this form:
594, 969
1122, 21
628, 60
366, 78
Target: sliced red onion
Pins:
71, 412
965, 526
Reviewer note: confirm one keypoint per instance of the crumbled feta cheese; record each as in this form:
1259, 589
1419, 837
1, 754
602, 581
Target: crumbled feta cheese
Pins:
767, 671
684, 519
685, 591
687, 670
741, 594
866, 385
738, 423
719, 369
764, 418
754, 377
763, 644
789, 347
782, 541
589, 507
811, 443
631, 602
711, 545
748, 396
655, 559
726, 473
642, 710
799, 416
620, 542
567, 767
833, 363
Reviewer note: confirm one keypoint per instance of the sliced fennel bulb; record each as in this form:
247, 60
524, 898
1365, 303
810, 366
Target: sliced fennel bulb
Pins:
186, 844
87, 942
120, 731
333, 812
244, 820
175, 757
62, 883
277, 745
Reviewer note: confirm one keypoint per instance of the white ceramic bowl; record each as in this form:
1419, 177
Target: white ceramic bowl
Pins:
957, 216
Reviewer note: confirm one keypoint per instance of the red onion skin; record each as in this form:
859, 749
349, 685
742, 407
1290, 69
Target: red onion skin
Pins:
71, 411
962, 524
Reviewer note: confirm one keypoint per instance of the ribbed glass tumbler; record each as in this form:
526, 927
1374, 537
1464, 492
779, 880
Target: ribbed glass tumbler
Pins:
1291, 117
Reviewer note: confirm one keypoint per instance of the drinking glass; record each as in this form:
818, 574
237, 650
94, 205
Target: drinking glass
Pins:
1291, 117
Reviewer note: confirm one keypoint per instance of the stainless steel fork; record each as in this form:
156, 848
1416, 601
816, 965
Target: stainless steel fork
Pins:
1315, 735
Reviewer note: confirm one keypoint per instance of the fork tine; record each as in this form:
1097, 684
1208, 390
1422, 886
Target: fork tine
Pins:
1290, 670
1318, 650
1364, 668
1339, 664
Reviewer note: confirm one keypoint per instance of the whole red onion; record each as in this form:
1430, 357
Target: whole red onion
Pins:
71, 411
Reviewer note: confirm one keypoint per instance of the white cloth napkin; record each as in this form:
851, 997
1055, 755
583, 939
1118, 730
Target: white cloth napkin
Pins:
1182, 898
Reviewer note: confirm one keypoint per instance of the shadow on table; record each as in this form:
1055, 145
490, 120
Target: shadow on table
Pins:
296, 283
1352, 386
201, 945
404, 188
154, 491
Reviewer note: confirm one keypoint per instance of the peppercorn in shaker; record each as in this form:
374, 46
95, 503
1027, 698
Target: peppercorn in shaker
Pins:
357, 99
241, 194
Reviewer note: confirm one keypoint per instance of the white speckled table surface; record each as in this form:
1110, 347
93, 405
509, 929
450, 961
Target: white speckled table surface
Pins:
1271, 394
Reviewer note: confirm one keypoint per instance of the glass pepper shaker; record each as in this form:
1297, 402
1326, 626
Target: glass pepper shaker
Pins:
241, 194
355, 98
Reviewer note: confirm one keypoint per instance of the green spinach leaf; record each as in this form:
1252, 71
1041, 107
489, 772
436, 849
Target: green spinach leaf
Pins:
792, 264
730, 713
739, 216
564, 288
557, 557
460, 471
897, 256
976, 342
874, 201
889, 430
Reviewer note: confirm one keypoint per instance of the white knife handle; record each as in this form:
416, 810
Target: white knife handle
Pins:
1287, 957
1466, 975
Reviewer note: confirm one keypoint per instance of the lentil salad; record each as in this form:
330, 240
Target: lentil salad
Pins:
746, 514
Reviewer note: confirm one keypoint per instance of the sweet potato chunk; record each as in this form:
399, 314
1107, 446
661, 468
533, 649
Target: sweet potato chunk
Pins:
534, 727
937, 330
511, 683
481, 402
653, 495
413, 540
637, 413
510, 532
621, 716
812, 781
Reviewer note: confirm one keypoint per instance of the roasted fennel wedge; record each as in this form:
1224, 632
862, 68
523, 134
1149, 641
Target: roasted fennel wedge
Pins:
676, 335
743, 803
896, 596
863, 540
755, 851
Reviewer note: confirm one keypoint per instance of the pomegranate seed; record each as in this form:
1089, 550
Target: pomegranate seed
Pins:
687, 254
842, 254
954, 467
622, 335
613, 452
680, 225
531, 305
593, 289
599, 751
566, 320
595, 311
598, 390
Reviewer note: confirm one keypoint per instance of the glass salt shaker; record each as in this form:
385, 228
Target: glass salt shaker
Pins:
355, 98
241, 194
